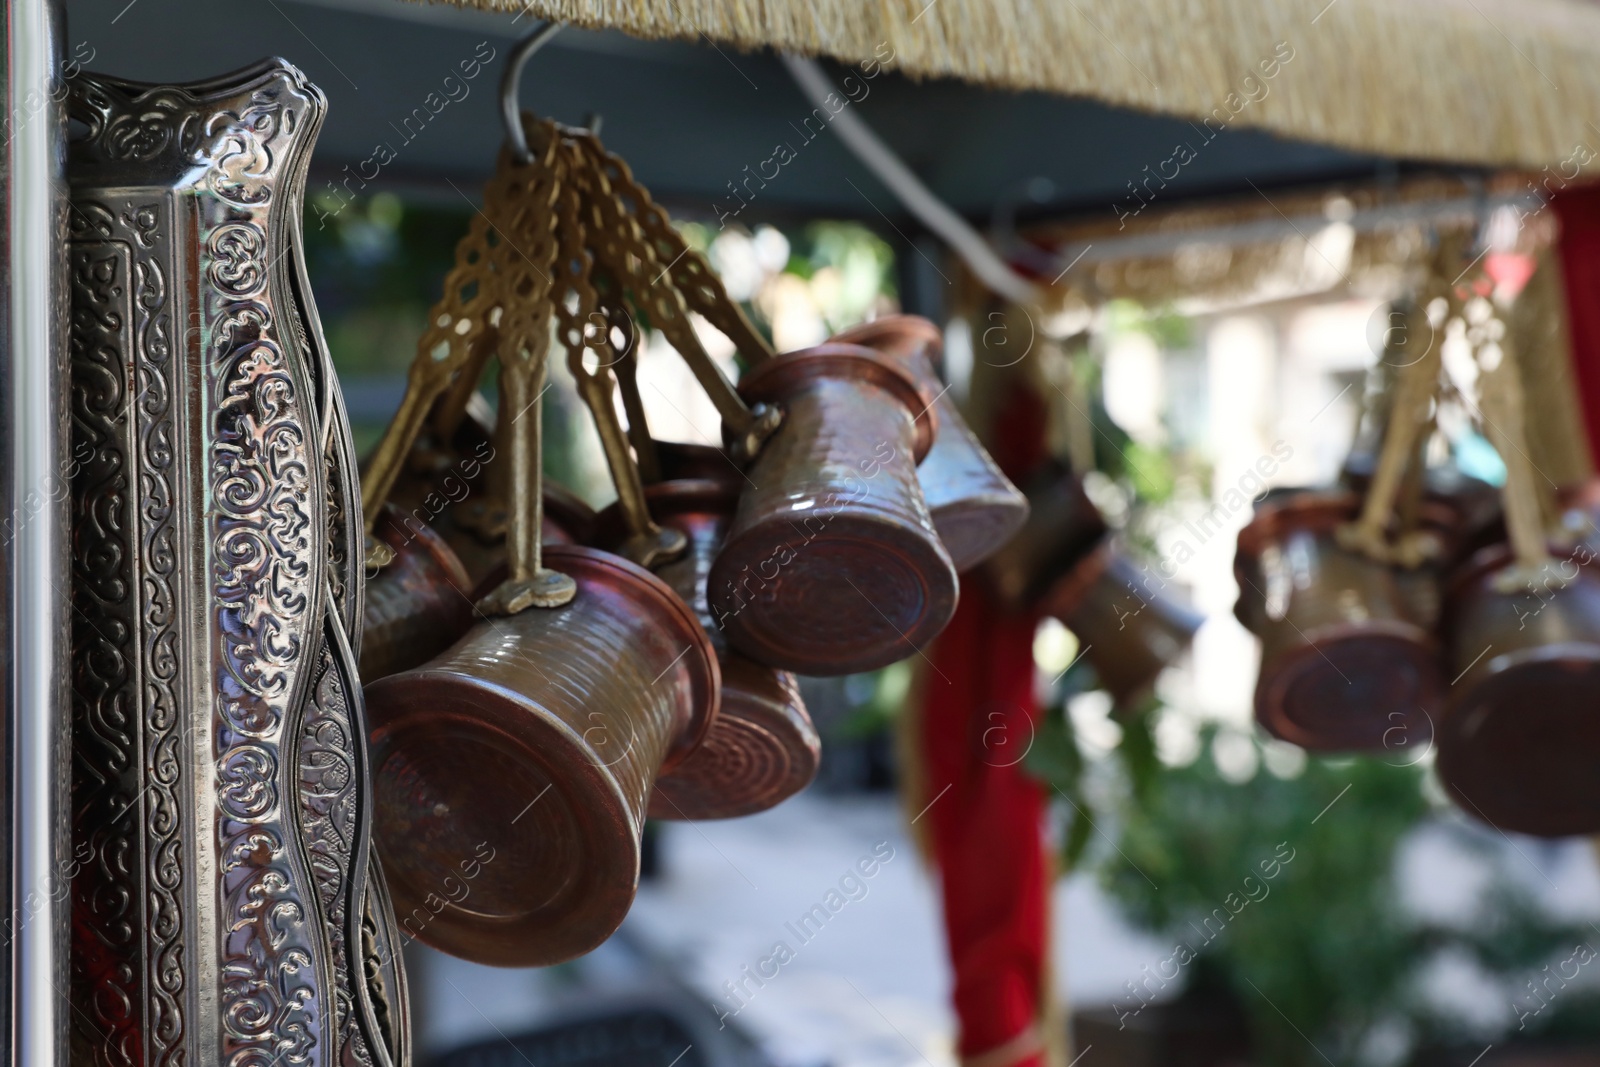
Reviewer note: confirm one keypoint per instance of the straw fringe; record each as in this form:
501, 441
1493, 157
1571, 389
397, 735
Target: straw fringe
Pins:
1498, 82
1558, 443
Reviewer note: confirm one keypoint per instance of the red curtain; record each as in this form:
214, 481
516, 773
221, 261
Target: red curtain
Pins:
984, 814
1579, 211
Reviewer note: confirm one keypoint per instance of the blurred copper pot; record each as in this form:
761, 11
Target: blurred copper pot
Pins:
1062, 527
1129, 629
832, 565
975, 508
1519, 741
762, 748
1343, 665
454, 489
532, 745
418, 605
681, 461
1464, 512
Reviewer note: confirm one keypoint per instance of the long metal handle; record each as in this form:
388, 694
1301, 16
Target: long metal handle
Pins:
34, 532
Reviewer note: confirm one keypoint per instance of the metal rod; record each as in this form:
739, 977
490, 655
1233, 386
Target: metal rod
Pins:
865, 144
33, 532
1113, 248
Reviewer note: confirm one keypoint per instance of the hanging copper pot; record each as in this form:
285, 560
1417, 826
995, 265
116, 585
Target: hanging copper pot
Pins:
832, 565
1343, 665
455, 491
532, 746
1519, 741
1128, 628
762, 748
1062, 527
681, 461
975, 508
1464, 512
417, 606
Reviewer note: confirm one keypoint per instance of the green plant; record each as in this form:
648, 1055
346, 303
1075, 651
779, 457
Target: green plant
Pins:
1282, 889
1326, 952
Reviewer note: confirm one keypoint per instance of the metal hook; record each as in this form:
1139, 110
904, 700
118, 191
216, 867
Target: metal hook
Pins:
511, 84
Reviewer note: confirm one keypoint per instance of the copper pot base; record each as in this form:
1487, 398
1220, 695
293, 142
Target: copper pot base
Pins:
1519, 749
1352, 689
762, 750
819, 619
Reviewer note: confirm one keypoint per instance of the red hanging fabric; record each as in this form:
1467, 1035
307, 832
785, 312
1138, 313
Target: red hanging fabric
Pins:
984, 814
1578, 208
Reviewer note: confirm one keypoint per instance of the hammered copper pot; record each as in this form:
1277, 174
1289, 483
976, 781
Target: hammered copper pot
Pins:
531, 748
832, 565
1062, 528
1519, 741
1129, 629
975, 508
418, 605
1343, 665
762, 748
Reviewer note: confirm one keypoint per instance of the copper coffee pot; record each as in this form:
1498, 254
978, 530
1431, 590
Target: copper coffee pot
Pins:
1063, 563
1129, 629
1061, 529
1518, 738
832, 564
1343, 664
417, 606
532, 746
761, 748
974, 507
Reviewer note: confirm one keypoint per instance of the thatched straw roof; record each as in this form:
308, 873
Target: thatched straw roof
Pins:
1498, 82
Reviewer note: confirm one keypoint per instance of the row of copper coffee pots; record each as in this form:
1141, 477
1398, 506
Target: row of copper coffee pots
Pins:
531, 746
1467, 654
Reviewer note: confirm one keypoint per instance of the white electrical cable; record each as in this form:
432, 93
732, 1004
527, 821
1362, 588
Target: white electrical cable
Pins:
916, 197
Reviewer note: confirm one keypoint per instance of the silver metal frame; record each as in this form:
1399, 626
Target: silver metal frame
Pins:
33, 444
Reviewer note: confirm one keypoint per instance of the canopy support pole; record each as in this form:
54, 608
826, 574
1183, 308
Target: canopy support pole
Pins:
33, 545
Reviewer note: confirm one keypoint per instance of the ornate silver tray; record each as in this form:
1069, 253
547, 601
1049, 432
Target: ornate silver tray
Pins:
226, 907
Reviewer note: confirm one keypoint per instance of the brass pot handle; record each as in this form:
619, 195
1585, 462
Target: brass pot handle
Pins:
645, 453
623, 249
517, 214
585, 332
